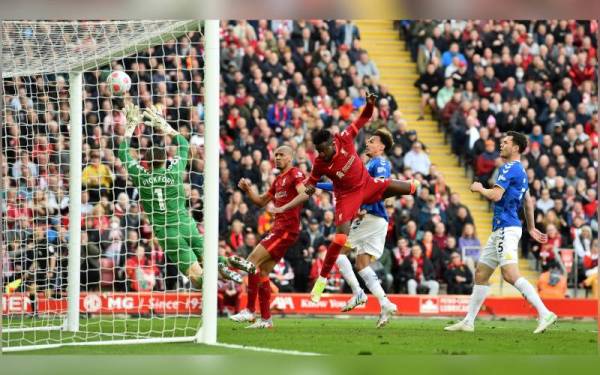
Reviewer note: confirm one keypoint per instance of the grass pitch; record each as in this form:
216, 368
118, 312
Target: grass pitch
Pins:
358, 336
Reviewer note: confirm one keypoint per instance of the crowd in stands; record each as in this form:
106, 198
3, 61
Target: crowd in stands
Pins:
280, 80
484, 78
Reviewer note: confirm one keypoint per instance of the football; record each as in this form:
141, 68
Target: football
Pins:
118, 82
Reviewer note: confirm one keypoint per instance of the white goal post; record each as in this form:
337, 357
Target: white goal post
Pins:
32, 51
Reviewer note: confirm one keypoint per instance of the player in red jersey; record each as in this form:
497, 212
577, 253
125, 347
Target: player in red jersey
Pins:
287, 188
352, 185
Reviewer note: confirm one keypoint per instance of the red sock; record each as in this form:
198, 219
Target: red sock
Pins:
264, 297
253, 281
332, 253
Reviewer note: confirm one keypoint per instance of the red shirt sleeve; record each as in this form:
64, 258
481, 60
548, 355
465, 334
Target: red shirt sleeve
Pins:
299, 177
352, 130
315, 176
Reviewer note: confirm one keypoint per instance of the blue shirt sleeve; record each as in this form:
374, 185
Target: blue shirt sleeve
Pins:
327, 186
505, 175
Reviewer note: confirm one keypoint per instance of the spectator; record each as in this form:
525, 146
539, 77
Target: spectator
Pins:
454, 51
429, 83
445, 93
552, 284
487, 162
141, 272
418, 272
228, 297
366, 67
590, 264
468, 239
458, 276
427, 53
96, 177
417, 159
282, 276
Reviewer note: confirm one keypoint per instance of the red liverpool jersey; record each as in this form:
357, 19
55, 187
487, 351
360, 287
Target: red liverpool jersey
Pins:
283, 190
345, 170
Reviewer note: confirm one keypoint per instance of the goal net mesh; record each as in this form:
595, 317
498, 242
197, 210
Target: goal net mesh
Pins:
131, 289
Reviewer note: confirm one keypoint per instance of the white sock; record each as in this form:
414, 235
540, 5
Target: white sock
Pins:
477, 298
372, 282
345, 268
531, 295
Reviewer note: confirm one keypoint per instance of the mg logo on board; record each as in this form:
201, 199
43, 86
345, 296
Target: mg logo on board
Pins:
92, 303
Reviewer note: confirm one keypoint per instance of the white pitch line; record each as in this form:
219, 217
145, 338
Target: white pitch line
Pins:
267, 350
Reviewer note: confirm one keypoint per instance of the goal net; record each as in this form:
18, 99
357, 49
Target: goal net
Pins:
81, 261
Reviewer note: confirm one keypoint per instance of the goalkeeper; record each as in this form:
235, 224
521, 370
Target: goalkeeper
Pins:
163, 198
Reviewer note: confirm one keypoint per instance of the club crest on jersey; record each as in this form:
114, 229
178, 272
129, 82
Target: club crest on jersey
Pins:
344, 152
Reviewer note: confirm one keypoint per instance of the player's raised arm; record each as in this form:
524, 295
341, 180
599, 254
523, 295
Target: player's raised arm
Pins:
529, 210
133, 118
260, 200
364, 117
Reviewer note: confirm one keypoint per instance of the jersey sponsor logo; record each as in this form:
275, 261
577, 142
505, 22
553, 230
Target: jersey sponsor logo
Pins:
280, 194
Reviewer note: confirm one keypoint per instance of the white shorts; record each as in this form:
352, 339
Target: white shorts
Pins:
367, 235
502, 247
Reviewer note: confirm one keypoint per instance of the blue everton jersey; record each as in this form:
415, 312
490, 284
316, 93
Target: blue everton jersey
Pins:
513, 179
378, 167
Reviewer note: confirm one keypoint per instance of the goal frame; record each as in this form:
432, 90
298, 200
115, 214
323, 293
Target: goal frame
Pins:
207, 333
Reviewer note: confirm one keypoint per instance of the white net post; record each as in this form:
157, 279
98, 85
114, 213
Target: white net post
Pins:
211, 182
56, 73
74, 257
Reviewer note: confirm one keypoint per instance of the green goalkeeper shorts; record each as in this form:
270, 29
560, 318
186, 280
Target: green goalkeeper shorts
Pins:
181, 241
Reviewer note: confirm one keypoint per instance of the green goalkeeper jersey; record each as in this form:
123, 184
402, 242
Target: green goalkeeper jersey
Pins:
161, 190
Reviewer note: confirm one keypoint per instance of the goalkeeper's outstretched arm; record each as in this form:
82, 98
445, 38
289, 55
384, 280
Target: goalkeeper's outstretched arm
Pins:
133, 118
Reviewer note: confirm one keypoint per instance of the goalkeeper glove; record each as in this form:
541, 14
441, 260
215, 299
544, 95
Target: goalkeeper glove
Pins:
133, 118
156, 121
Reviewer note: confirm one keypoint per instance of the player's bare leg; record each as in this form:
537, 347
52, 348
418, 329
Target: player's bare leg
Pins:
339, 241
483, 273
511, 274
397, 188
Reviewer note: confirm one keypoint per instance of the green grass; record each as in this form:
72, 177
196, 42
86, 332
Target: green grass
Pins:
358, 336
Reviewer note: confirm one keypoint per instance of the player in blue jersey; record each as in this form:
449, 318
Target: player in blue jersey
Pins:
508, 194
367, 234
